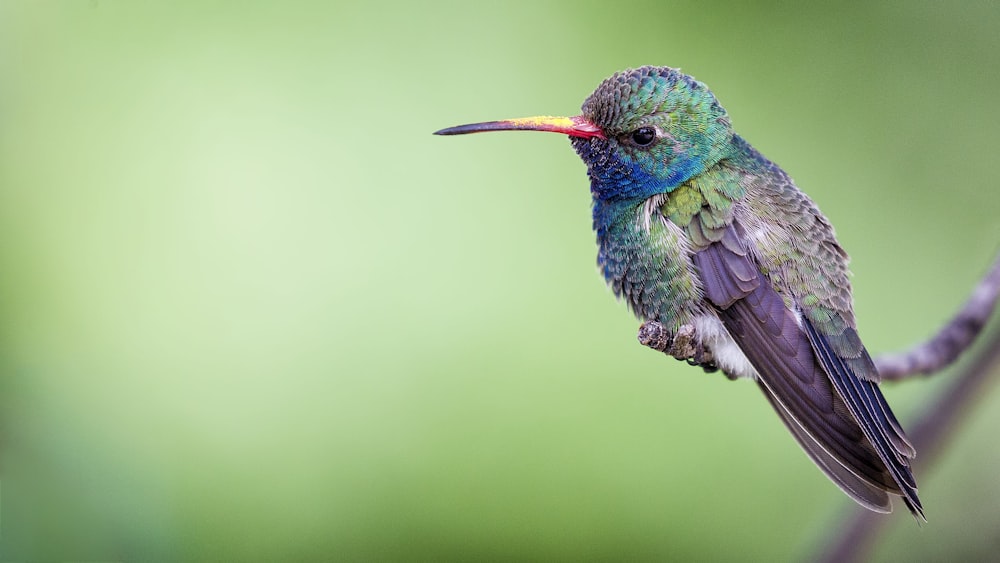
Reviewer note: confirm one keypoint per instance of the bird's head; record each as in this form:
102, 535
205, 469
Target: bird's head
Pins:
642, 132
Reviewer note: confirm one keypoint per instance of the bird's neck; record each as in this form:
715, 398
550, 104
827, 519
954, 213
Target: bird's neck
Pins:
717, 186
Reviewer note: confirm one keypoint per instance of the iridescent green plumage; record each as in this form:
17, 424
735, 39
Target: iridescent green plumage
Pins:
695, 228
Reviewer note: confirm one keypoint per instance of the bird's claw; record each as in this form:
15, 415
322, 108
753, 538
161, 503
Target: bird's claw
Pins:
682, 345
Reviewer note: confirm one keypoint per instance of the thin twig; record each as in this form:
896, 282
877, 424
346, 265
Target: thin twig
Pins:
934, 354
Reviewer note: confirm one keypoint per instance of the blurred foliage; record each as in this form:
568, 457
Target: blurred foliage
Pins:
251, 309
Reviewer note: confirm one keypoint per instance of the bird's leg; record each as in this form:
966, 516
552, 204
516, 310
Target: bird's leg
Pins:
682, 345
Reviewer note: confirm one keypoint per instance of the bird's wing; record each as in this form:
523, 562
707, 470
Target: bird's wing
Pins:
841, 421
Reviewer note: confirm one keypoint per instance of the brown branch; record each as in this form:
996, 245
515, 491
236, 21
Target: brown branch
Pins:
936, 353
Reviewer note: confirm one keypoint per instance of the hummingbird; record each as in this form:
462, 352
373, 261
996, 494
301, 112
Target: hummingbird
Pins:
697, 230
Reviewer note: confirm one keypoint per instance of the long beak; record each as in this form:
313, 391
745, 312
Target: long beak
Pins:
577, 126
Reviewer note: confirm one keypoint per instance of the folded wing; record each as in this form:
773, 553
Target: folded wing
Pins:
840, 420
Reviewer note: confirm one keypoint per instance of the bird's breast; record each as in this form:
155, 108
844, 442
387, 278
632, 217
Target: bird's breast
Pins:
646, 260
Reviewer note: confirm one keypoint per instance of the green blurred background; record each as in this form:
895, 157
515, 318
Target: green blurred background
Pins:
251, 309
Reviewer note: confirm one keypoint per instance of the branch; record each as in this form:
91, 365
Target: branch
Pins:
926, 358
933, 355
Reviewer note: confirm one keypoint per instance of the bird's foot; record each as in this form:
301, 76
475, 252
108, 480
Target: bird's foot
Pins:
682, 345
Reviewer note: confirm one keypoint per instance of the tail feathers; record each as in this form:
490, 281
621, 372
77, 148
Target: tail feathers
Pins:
866, 404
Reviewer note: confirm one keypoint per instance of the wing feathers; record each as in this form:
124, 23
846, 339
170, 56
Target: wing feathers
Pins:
840, 419
873, 498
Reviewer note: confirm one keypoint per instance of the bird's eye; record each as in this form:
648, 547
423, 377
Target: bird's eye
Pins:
644, 136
